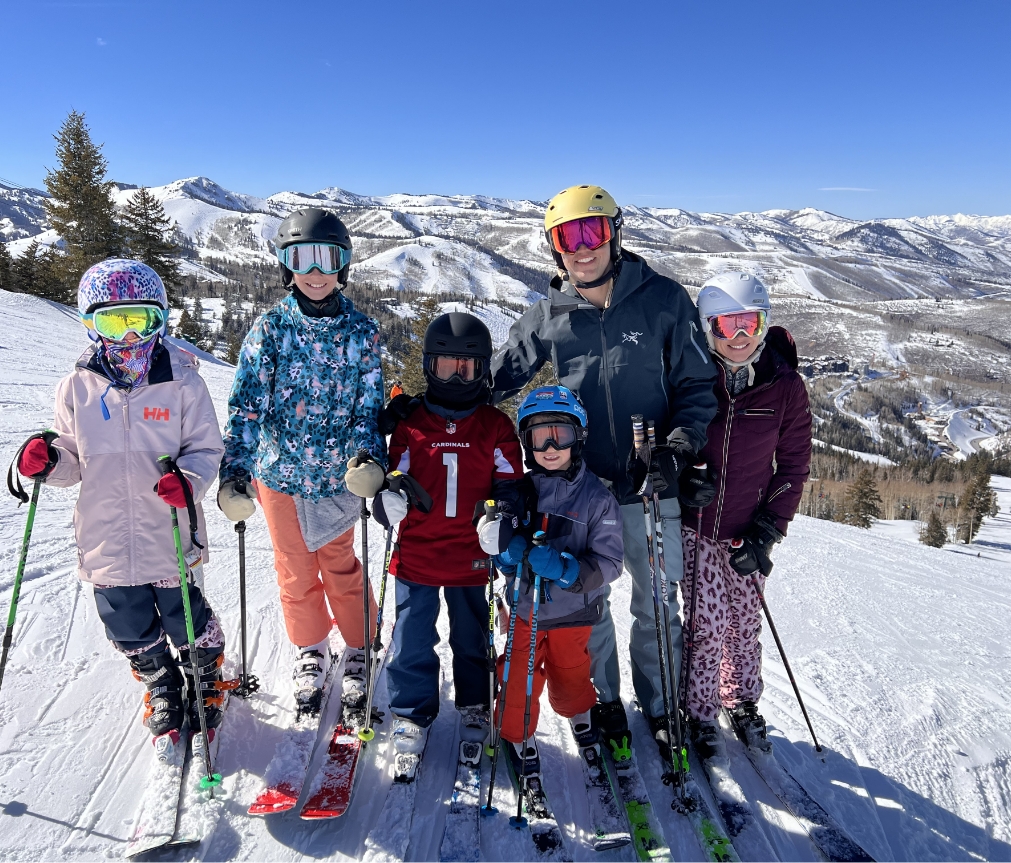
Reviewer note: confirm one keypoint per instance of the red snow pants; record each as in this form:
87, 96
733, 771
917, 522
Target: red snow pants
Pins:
562, 660
308, 579
727, 655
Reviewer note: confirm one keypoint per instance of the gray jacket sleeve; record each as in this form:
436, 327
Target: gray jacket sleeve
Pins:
693, 375
68, 469
602, 561
201, 446
514, 365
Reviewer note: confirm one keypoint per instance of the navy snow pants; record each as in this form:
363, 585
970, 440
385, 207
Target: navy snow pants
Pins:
138, 618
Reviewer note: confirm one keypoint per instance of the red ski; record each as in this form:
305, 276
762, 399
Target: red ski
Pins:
332, 787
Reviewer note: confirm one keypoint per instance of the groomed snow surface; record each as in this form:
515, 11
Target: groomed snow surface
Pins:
901, 652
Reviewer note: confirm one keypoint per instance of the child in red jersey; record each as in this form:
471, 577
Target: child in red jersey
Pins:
461, 451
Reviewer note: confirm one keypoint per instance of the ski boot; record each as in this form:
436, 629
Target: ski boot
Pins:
530, 783
583, 731
658, 728
749, 725
474, 725
164, 711
707, 738
353, 689
409, 741
609, 720
212, 690
309, 674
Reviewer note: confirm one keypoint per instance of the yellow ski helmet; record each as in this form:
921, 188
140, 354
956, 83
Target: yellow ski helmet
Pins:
578, 202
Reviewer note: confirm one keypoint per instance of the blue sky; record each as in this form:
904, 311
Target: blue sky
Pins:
862, 108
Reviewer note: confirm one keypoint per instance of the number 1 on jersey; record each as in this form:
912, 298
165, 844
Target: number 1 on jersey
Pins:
449, 459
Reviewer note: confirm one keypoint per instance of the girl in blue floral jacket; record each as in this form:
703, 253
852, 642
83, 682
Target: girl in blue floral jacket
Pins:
304, 403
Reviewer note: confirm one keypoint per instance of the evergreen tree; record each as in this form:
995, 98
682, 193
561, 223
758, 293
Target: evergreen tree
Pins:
81, 208
978, 502
412, 373
234, 347
189, 328
37, 272
148, 235
933, 532
862, 503
6, 276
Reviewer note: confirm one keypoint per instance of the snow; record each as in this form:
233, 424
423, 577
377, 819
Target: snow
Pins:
963, 433
870, 457
901, 652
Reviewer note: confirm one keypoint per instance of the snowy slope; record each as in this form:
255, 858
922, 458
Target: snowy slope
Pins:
901, 652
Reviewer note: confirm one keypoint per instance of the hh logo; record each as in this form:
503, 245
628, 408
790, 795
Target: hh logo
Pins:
630, 337
156, 414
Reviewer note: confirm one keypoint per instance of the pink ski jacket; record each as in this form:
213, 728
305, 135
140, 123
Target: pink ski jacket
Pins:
109, 442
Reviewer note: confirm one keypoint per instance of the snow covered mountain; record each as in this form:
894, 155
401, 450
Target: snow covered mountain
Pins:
901, 652
808, 253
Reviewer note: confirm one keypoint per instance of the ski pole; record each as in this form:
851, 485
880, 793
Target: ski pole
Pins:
12, 613
377, 642
680, 752
491, 512
786, 663
539, 539
686, 666
167, 466
366, 732
488, 809
248, 684
642, 448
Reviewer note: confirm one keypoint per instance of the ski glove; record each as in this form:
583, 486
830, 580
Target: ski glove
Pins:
400, 407
494, 532
401, 492
512, 557
365, 476
751, 552
665, 466
235, 499
38, 457
697, 486
552, 565
170, 490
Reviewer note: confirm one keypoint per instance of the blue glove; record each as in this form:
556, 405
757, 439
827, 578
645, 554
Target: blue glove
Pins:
551, 565
512, 557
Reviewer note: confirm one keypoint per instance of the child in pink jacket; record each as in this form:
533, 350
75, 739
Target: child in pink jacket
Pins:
130, 399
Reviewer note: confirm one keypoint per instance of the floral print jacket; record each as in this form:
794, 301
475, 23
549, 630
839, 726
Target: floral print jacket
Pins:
305, 399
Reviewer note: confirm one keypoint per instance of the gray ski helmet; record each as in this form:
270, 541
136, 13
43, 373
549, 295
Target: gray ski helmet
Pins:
731, 292
313, 225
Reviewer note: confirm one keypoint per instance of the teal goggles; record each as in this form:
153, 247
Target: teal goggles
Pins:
326, 257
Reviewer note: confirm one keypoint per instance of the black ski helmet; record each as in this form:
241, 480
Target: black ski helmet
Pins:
458, 334
313, 225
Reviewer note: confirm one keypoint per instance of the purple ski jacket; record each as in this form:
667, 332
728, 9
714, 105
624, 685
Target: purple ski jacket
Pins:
759, 444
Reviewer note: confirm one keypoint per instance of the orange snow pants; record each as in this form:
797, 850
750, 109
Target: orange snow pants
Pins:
561, 659
308, 579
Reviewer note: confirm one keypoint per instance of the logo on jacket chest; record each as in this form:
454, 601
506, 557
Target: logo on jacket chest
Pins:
630, 337
156, 414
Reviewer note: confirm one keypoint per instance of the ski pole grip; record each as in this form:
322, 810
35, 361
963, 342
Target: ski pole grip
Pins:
651, 433
638, 434
165, 464
490, 510
539, 538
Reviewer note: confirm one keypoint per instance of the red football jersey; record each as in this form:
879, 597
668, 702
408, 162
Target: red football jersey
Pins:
456, 462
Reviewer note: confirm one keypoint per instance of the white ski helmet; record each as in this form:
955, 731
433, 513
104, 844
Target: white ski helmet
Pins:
731, 292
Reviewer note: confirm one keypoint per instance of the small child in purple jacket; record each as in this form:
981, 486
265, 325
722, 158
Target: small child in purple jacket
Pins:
759, 450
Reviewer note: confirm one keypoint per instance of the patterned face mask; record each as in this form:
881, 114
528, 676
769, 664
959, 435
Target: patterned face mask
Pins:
128, 363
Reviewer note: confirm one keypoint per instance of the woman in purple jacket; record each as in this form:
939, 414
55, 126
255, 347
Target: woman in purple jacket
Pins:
759, 451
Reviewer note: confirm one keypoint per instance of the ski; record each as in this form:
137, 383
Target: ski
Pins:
824, 832
286, 774
609, 827
544, 829
199, 808
159, 808
391, 836
742, 825
461, 840
712, 838
646, 833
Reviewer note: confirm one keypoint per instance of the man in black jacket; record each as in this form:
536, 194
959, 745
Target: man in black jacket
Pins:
627, 341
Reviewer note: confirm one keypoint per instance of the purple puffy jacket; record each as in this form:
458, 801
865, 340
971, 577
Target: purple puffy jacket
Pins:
759, 443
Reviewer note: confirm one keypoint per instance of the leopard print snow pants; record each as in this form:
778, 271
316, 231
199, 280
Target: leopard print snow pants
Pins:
726, 660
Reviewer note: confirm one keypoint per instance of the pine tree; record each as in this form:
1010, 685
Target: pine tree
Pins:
148, 235
6, 277
189, 328
978, 502
37, 272
862, 503
933, 532
234, 347
81, 208
412, 374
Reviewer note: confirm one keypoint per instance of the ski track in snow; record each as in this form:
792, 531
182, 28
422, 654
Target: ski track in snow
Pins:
901, 652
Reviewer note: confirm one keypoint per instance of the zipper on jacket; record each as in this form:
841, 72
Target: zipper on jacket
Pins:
129, 486
607, 384
723, 473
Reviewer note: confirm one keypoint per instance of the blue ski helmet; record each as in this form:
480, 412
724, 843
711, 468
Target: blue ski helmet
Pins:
560, 402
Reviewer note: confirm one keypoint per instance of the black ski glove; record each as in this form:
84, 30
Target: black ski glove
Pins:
666, 465
697, 486
399, 408
752, 551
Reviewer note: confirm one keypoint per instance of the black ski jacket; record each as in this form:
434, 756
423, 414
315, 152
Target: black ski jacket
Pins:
645, 353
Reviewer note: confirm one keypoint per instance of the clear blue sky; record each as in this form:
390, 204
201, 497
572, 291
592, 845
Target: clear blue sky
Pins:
862, 108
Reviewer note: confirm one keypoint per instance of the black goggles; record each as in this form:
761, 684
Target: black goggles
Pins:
559, 436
